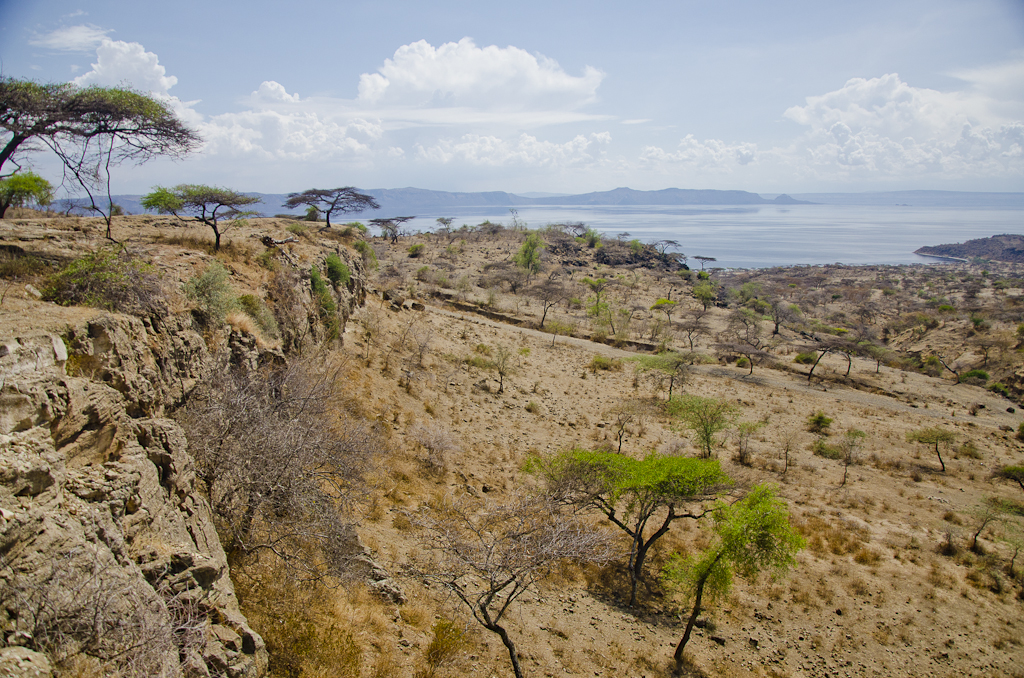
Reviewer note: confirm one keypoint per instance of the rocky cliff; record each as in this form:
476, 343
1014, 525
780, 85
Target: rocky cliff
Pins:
107, 550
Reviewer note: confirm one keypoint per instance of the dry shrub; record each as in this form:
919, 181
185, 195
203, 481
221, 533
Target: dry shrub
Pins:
438, 442
447, 642
866, 556
825, 537
302, 634
283, 464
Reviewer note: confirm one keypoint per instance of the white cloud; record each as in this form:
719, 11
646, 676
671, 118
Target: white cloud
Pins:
885, 128
80, 38
273, 92
460, 73
270, 135
636, 121
710, 154
526, 150
120, 62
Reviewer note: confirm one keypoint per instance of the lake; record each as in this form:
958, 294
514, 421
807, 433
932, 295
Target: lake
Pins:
759, 236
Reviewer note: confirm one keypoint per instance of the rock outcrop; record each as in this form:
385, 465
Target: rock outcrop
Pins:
108, 552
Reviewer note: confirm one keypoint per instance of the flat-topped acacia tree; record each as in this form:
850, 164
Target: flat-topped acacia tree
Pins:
206, 204
328, 201
629, 492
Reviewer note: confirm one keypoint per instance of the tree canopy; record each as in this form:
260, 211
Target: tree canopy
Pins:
752, 535
630, 491
206, 204
344, 200
90, 129
22, 189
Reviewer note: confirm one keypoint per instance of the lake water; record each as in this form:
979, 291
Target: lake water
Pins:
758, 236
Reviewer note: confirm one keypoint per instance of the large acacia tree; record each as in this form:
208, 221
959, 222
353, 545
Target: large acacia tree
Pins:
632, 493
90, 129
328, 201
206, 204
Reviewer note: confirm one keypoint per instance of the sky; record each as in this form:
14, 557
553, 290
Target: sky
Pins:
554, 96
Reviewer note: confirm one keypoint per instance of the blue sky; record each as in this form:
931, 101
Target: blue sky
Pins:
556, 96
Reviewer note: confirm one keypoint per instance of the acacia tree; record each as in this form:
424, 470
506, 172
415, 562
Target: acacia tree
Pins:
391, 228
706, 417
629, 492
933, 435
206, 204
489, 558
752, 535
674, 366
528, 257
328, 201
24, 188
90, 129
549, 291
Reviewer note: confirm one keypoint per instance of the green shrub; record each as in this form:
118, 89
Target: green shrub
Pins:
818, 423
449, 639
532, 407
256, 309
603, 363
1020, 432
997, 387
337, 270
416, 250
742, 362
807, 358
109, 278
557, 327
478, 362
323, 296
482, 349
297, 229
369, 256
357, 225
823, 449
975, 374
211, 294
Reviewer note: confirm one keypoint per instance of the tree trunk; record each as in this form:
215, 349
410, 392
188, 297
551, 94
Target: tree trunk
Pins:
939, 455
507, 641
693, 615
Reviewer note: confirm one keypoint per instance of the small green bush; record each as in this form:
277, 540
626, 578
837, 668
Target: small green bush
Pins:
211, 294
482, 349
256, 309
369, 256
532, 407
742, 362
818, 423
975, 374
297, 229
325, 299
997, 387
823, 449
416, 250
478, 362
605, 364
807, 358
558, 327
108, 278
337, 270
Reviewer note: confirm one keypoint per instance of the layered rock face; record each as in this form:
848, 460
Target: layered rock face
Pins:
108, 553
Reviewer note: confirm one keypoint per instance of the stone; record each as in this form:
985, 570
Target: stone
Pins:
20, 662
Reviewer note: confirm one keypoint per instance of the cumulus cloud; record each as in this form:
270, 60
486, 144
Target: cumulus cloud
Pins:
80, 38
120, 62
525, 150
271, 135
884, 127
460, 73
273, 92
710, 154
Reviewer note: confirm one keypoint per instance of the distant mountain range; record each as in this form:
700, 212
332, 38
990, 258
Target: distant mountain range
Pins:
426, 203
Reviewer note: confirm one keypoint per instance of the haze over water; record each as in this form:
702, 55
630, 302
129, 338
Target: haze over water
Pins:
770, 235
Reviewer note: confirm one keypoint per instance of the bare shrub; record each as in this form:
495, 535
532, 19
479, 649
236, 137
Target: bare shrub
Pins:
488, 558
283, 459
438, 441
82, 606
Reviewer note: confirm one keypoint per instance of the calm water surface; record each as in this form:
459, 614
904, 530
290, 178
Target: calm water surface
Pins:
770, 235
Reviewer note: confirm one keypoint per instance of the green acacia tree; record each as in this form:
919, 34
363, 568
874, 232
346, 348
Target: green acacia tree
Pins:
90, 130
630, 492
666, 306
752, 535
706, 417
528, 256
705, 292
22, 189
675, 366
1014, 473
206, 204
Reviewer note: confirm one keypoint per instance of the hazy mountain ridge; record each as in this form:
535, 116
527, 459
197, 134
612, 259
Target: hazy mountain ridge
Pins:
415, 201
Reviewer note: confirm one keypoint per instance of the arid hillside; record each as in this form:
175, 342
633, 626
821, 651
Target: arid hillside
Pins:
428, 384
